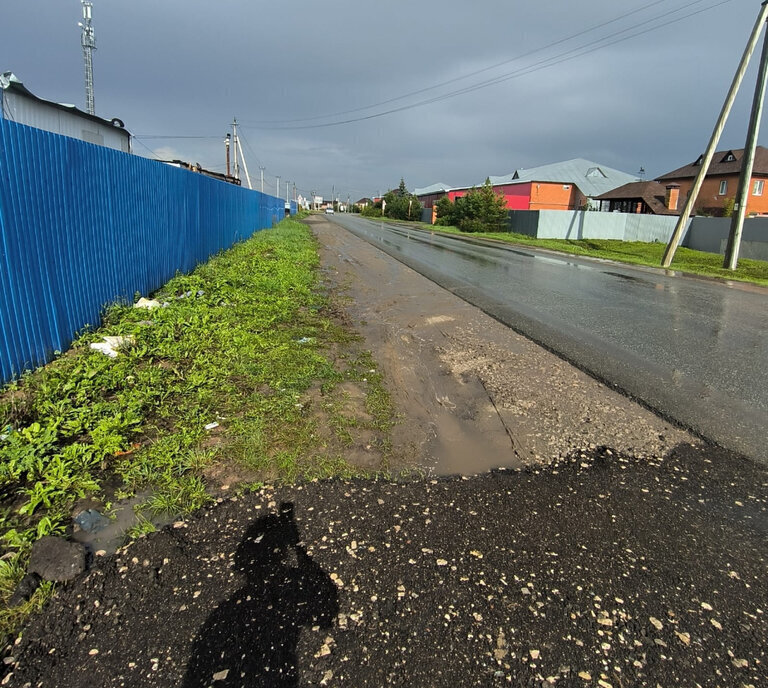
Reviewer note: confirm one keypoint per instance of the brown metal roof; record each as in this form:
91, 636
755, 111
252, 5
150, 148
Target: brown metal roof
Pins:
652, 193
721, 165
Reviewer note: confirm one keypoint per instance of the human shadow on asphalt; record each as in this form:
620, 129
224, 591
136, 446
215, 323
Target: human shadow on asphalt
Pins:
251, 639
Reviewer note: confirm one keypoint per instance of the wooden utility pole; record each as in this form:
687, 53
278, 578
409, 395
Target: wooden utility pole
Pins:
731, 260
685, 213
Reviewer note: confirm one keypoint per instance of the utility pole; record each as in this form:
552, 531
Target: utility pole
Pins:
245, 164
261, 169
277, 192
294, 191
88, 42
685, 214
731, 260
226, 145
287, 191
239, 149
237, 164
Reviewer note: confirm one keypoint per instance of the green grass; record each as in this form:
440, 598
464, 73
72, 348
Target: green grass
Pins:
243, 347
635, 253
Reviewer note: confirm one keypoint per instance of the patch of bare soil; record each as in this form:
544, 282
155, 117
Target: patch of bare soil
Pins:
472, 394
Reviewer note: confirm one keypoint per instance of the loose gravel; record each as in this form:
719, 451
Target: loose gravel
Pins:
597, 571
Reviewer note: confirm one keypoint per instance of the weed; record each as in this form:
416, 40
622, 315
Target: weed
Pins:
219, 374
142, 528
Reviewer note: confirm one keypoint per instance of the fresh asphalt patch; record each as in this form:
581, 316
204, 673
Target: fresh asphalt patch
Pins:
601, 570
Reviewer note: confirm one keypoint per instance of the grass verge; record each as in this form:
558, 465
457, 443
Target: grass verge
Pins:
635, 253
246, 345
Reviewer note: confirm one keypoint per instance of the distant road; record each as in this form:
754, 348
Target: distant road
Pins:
694, 350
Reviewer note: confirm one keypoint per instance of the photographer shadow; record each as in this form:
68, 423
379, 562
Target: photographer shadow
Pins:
251, 639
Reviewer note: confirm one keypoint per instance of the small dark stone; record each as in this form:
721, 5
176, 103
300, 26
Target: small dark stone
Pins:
56, 559
91, 521
24, 590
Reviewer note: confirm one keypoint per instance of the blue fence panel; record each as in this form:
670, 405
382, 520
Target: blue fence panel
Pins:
82, 226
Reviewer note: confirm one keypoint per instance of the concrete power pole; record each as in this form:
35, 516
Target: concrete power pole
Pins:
747, 164
239, 149
261, 169
685, 214
88, 41
236, 169
277, 191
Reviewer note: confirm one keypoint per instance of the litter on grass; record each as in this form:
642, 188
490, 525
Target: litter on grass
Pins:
111, 345
149, 304
211, 426
304, 340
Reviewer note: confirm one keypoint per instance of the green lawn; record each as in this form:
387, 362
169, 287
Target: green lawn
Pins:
634, 252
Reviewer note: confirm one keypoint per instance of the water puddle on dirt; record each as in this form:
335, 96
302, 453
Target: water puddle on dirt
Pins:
106, 533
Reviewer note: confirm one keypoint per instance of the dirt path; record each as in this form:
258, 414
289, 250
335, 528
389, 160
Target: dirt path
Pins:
474, 395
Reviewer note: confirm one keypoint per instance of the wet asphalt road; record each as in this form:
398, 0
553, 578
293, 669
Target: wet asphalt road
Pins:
692, 349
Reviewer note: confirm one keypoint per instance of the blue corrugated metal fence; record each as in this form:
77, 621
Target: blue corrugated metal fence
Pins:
82, 226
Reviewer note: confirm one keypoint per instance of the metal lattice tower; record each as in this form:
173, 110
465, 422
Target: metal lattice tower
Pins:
88, 41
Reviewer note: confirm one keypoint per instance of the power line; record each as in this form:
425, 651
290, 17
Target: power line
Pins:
143, 145
161, 136
523, 71
470, 74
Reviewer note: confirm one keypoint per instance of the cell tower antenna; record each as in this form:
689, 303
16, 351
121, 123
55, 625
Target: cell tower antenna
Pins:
88, 41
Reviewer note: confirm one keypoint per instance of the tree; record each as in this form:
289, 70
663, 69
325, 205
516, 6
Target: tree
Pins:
446, 212
400, 204
480, 210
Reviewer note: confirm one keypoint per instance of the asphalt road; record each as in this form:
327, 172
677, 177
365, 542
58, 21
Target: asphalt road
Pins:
602, 572
694, 350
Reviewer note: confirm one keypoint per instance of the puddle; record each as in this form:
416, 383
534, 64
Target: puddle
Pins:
110, 534
628, 278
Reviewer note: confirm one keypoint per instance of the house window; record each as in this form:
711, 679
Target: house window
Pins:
723, 187
757, 190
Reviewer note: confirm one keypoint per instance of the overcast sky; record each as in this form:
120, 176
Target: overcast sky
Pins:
186, 68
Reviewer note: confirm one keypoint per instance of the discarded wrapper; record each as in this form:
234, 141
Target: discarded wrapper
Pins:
111, 345
149, 304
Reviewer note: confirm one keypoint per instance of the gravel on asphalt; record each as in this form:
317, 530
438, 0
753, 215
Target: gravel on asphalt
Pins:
601, 570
